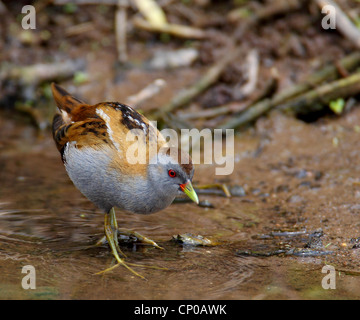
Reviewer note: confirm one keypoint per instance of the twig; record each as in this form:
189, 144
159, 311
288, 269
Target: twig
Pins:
209, 78
99, 2
40, 72
314, 100
268, 90
213, 112
252, 62
328, 73
232, 107
28, 78
120, 28
348, 272
86, 2
78, 29
146, 93
164, 59
266, 11
249, 115
343, 23
151, 11
261, 14
176, 30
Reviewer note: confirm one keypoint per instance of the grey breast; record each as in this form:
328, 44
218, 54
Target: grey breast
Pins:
89, 170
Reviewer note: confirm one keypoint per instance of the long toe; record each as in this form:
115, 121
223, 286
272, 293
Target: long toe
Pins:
124, 264
140, 237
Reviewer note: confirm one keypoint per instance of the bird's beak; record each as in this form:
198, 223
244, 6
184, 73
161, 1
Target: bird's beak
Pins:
188, 189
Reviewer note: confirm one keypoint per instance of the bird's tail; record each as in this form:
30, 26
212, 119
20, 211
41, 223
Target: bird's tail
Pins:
64, 100
68, 106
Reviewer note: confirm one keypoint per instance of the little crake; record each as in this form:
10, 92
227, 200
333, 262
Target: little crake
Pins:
93, 141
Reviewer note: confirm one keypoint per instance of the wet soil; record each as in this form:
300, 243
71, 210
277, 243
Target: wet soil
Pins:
298, 178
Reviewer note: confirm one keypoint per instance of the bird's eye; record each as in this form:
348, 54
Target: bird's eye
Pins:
172, 173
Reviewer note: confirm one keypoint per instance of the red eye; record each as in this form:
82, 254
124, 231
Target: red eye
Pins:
172, 173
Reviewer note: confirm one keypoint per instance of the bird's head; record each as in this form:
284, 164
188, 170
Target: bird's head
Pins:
173, 171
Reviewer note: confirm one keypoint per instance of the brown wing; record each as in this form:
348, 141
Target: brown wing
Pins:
77, 121
106, 124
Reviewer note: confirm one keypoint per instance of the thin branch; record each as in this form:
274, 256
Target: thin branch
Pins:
176, 30
264, 12
151, 11
40, 72
120, 29
252, 63
86, 2
146, 93
78, 29
232, 107
213, 112
316, 99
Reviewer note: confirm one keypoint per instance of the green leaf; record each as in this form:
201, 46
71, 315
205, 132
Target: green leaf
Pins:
337, 106
80, 77
70, 8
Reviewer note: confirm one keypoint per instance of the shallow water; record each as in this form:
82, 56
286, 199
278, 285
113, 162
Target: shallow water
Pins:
296, 181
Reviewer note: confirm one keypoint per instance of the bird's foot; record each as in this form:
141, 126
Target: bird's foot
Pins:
129, 233
139, 237
111, 236
103, 241
121, 262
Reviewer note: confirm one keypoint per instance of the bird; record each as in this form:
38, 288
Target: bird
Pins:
116, 157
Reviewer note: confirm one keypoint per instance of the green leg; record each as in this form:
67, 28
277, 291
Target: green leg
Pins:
110, 237
114, 226
125, 232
